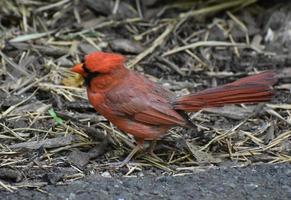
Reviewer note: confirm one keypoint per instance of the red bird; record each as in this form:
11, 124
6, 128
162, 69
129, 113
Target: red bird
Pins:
145, 109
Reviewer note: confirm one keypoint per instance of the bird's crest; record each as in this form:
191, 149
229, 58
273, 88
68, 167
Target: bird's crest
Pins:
102, 62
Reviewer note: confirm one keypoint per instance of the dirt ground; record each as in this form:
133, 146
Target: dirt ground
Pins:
51, 136
252, 182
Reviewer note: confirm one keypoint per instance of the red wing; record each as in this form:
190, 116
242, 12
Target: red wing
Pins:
142, 105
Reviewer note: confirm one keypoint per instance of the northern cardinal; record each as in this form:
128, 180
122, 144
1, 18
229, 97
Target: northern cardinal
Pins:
145, 109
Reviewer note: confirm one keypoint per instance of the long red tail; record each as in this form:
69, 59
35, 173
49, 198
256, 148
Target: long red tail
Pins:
251, 89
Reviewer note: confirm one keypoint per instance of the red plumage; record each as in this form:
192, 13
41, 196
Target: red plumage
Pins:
250, 89
145, 109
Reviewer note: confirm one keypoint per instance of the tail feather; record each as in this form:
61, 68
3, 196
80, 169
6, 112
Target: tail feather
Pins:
251, 89
264, 78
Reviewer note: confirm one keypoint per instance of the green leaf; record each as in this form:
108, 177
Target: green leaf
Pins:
53, 114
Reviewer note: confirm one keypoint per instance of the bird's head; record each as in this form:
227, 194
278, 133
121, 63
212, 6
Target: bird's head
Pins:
97, 64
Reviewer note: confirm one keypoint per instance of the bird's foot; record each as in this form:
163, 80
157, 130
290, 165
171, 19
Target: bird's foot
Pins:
152, 154
128, 158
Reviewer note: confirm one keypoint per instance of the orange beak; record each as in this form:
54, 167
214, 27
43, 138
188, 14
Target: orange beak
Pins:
78, 68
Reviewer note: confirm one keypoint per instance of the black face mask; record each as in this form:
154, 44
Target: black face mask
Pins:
90, 75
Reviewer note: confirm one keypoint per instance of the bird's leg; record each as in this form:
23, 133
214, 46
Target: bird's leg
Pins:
151, 149
132, 153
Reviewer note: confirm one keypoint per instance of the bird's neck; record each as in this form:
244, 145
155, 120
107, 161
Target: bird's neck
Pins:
105, 82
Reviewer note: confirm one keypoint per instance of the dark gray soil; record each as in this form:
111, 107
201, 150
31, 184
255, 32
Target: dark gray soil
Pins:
252, 182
